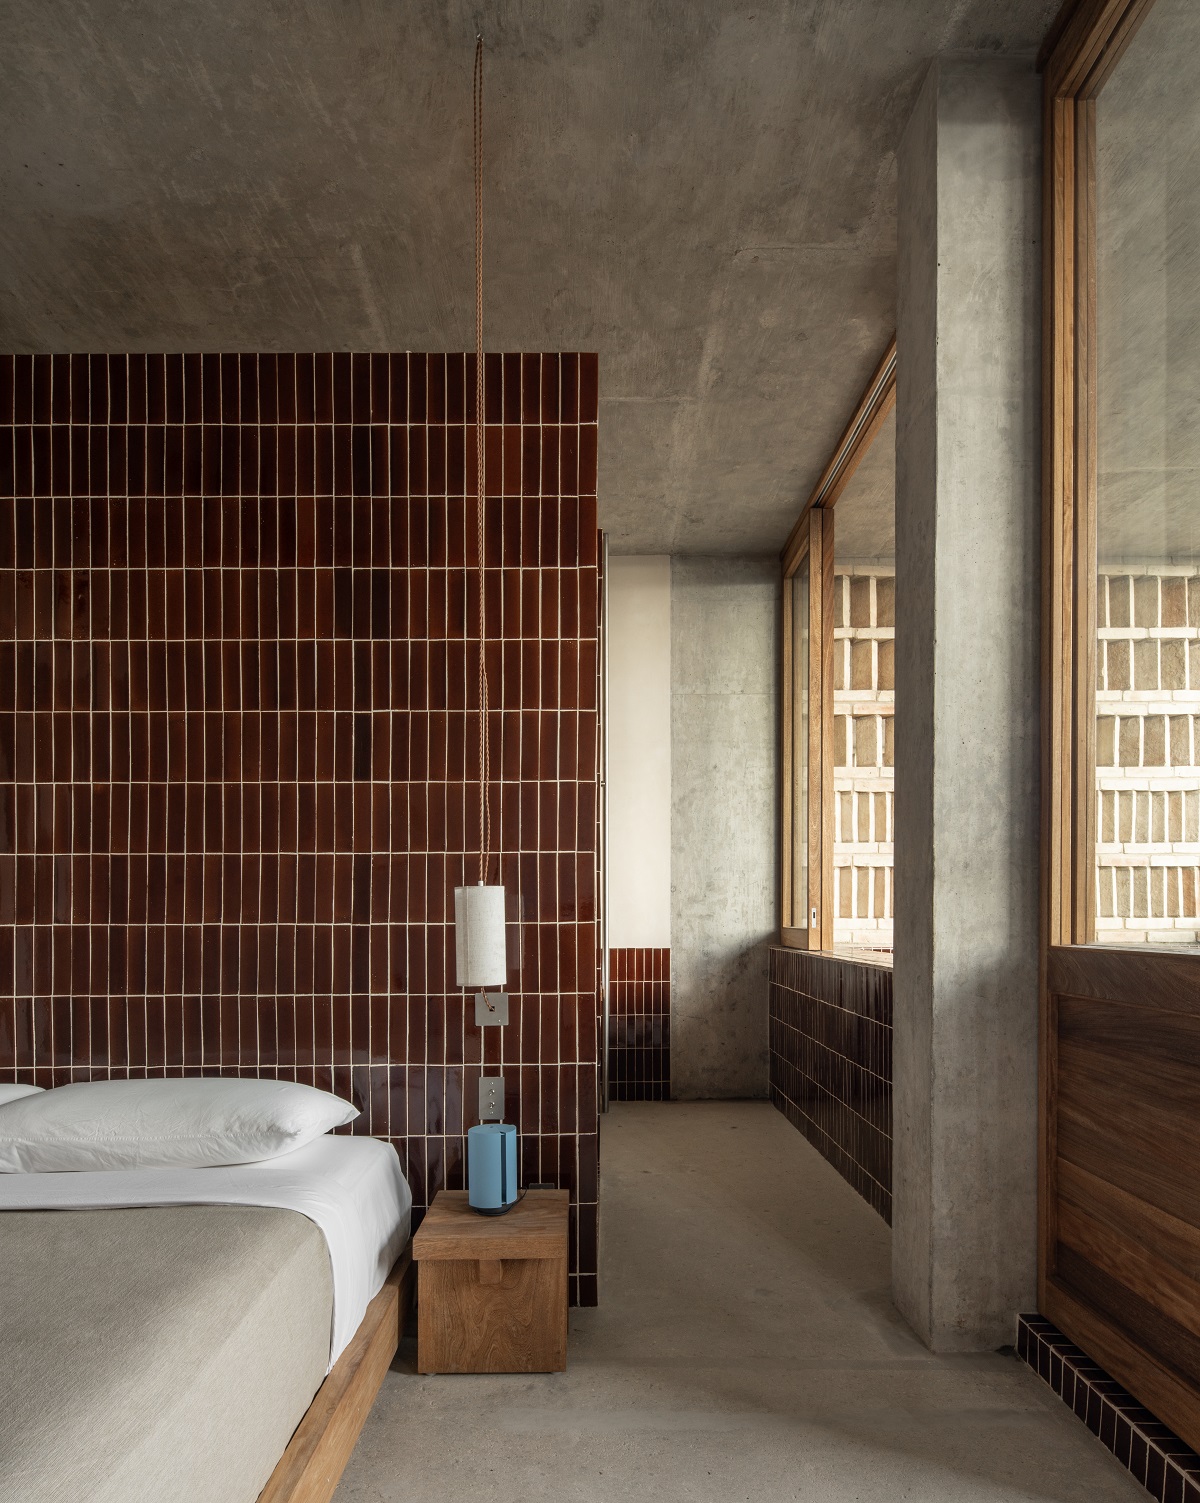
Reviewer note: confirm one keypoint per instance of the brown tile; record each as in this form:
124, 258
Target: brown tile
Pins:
329, 403
589, 396
222, 391
418, 409
220, 615
551, 404
10, 365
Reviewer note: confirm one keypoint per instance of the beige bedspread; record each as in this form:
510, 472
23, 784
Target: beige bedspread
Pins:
160, 1355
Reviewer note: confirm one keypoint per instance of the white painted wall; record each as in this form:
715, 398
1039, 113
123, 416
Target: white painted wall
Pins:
639, 752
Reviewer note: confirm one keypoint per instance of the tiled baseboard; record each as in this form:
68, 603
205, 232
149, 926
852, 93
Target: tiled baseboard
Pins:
1153, 1455
639, 1025
639, 1059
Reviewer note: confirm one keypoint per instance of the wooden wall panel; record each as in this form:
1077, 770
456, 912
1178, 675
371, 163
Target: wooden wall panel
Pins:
1123, 1274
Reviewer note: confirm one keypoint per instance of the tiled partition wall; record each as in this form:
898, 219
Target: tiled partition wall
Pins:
237, 734
831, 1063
639, 1025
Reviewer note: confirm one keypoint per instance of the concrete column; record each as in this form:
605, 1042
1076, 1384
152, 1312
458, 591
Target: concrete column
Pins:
967, 695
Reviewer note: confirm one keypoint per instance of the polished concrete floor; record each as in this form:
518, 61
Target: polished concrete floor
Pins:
745, 1349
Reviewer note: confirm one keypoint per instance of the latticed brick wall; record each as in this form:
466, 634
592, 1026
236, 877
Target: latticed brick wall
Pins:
864, 669
1148, 756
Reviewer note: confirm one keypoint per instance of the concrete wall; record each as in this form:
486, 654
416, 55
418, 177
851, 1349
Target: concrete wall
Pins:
967, 693
725, 818
639, 752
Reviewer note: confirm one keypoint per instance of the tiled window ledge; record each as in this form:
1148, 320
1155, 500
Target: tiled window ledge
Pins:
1153, 1455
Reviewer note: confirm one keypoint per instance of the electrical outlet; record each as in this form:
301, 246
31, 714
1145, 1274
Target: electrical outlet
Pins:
491, 1098
490, 1009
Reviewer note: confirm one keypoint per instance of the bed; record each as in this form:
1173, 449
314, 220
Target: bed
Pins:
205, 1335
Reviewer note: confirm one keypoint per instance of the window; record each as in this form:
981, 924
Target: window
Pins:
864, 697
838, 675
1122, 466
1147, 487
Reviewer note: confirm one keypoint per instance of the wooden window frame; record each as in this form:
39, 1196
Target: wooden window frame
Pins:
1111, 1290
815, 548
812, 538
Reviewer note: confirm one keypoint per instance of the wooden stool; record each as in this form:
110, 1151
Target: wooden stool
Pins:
492, 1290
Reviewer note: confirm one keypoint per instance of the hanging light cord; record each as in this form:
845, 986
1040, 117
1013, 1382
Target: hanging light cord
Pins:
485, 816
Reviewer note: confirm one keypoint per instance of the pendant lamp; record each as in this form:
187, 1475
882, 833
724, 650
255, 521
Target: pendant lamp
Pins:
479, 940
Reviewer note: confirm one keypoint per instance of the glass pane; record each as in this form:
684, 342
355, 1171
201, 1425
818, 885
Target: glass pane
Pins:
1148, 486
864, 698
799, 769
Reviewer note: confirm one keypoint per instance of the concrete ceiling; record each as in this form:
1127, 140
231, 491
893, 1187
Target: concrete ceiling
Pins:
704, 192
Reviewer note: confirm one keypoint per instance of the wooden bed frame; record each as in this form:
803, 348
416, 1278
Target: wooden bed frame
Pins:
310, 1468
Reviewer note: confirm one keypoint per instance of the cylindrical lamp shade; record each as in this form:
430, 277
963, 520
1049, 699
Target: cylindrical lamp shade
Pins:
479, 936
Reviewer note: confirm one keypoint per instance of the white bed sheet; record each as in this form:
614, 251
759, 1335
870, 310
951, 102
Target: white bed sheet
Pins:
352, 1188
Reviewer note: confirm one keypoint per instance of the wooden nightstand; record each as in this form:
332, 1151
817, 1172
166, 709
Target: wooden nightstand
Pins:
492, 1290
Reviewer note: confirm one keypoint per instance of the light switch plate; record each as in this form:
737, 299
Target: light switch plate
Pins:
490, 1008
491, 1098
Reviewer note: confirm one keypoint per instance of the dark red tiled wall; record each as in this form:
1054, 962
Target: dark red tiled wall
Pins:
639, 1025
830, 1020
237, 734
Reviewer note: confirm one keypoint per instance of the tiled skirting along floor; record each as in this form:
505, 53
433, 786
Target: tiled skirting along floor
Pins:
639, 1025
1167, 1468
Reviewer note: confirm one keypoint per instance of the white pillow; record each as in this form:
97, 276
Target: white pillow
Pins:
15, 1092
162, 1124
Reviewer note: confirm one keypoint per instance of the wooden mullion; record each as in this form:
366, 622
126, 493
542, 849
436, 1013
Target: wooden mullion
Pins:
1065, 425
787, 770
816, 718
793, 935
1085, 374
824, 656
